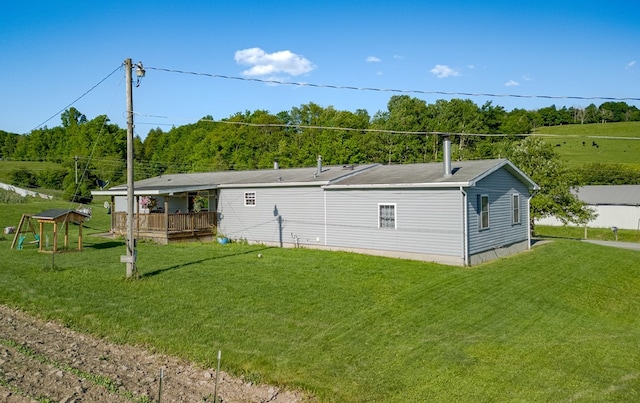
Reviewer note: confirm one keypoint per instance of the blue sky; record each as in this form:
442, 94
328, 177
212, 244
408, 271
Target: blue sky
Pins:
55, 51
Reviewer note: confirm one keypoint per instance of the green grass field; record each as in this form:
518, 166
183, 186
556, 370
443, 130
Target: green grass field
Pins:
559, 323
616, 142
6, 167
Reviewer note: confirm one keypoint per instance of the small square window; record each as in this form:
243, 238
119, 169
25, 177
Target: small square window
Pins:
249, 198
387, 216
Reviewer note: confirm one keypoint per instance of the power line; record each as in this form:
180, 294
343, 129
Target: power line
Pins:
79, 98
337, 128
423, 92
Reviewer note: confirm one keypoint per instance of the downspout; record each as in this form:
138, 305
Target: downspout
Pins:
529, 220
324, 195
465, 241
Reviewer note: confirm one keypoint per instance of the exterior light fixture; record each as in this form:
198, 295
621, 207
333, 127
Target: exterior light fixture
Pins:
139, 73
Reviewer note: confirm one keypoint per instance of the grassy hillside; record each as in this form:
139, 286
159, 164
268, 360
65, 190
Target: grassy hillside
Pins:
616, 142
558, 323
6, 167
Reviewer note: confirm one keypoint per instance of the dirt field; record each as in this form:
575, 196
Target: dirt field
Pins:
45, 362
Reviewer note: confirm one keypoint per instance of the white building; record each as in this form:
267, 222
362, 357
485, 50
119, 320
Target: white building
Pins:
615, 205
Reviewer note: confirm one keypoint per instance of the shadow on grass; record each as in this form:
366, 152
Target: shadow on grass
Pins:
107, 245
178, 266
550, 237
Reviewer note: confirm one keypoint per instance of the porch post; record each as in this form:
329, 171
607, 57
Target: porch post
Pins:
166, 218
113, 213
80, 235
55, 236
40, 247
66, 234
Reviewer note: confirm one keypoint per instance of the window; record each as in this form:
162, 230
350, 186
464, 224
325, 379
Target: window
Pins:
515, 208
484, 211
387, 216
249, 198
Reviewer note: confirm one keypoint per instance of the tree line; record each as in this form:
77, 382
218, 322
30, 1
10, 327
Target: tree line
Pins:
255, 139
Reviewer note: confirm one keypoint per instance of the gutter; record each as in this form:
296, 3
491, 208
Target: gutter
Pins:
465, 222
400, 185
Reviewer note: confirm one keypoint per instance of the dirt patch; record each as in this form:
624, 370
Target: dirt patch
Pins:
46, 362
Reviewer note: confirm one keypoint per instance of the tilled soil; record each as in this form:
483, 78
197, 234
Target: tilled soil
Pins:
46, 362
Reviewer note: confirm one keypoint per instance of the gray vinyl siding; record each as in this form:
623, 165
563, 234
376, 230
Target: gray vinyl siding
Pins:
499, 186
427, 220
301, 210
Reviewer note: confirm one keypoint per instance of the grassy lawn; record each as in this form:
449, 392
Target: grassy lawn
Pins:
558, 323
617, 142
6, 167
576, 232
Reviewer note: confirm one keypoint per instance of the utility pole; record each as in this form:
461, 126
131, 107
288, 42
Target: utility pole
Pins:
130, 257
76, 159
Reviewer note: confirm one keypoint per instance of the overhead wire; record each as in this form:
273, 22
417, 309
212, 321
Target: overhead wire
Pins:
369, 130
79, 98
401, 91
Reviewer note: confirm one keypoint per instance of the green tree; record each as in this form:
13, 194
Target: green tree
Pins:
518, 121
72, 117
7, 144
537, 158
404, 114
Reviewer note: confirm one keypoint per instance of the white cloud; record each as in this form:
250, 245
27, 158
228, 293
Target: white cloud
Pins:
512, 83
471, 66
631, 64
527, 77
442, 71
373, 59
264, 64
398, 57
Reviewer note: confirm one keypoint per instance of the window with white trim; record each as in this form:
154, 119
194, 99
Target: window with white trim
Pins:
387, 216
483, 209
515, 208
249, 198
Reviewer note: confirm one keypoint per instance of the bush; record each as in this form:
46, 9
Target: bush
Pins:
599, 173
23, 177
78, 194
52, 178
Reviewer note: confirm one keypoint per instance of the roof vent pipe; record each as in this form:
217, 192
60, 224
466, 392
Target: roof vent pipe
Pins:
276, 165
319, 170
446, 153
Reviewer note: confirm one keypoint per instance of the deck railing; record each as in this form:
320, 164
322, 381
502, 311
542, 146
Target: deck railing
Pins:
165, 223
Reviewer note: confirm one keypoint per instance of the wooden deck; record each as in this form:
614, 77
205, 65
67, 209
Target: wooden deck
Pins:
166, 227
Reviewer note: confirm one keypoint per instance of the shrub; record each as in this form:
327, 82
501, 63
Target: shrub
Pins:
52, 178
23, 177
78, 193
8, 197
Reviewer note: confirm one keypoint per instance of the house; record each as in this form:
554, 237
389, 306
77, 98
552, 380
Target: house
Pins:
615, 206
186, 206
460, 213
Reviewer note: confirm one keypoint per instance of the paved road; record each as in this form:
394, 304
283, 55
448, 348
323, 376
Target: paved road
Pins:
624, 245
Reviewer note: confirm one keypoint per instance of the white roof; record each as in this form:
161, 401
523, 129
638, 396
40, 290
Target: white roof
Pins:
624, 195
